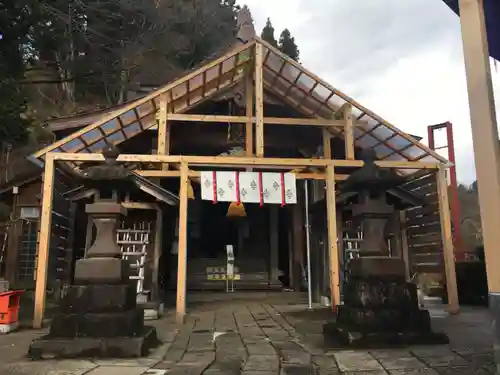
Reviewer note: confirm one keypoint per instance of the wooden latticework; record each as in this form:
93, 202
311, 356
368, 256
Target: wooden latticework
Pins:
423, 228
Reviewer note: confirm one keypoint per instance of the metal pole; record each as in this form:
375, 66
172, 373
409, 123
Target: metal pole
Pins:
308, 247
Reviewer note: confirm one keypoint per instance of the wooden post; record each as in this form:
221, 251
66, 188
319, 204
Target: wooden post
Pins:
333, 250
249, 114
158, 246
447, 239
259, 101
405, 253
163, 130
182, 245
44, 242
484, 132
349, 132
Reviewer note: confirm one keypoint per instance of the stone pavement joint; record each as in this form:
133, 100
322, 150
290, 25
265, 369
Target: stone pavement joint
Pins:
256, 338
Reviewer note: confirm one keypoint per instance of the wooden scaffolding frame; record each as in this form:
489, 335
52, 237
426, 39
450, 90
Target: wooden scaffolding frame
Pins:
249, 64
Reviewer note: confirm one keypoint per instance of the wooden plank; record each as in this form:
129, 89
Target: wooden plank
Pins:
414, 184
447, 238
436, 258
182, 245
424, 220
424, 239
259, 101
44, 243
224, 119
424, 229
332, 237
428, 210
436, 248
163, 147
249, 113
349, 133
425, 190
427, 268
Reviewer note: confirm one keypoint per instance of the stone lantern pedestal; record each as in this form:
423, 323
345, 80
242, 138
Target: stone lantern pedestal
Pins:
98, 315
380, 308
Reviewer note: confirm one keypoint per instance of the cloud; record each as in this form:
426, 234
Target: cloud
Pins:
400, 58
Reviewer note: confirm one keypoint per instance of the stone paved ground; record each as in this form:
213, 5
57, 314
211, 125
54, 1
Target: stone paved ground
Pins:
267, 336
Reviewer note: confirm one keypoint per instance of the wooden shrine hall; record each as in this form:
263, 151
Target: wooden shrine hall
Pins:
251, 112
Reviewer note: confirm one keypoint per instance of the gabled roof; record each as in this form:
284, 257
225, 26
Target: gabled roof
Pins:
282, 76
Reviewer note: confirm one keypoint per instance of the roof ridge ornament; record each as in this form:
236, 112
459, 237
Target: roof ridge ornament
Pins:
245, 27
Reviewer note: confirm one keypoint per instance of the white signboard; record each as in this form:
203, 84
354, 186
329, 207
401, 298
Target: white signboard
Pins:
249, 187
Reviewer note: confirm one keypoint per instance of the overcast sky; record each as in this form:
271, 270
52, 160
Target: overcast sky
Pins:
400, 58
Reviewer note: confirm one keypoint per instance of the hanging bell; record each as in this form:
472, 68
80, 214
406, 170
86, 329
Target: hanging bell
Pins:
190, 191
236, 210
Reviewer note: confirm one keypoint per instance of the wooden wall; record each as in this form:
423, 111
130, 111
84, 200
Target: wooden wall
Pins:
62, 232
423, 227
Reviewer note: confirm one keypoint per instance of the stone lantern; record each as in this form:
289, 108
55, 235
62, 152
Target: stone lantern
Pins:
98, 315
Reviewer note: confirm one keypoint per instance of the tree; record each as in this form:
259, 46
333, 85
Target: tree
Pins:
268, 33
15, 22
287, 45
470, 215
98, 49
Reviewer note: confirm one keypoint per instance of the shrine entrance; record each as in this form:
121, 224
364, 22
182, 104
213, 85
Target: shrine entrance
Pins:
255, 229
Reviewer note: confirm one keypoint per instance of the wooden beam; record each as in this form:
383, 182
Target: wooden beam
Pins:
447, 239
484, 133
163, 147
197, 160
180, 306
349, 133
243, 161
42, 261
333, 249
249, 115
259, 101
292, 121
398, 164
196, 174
327, 144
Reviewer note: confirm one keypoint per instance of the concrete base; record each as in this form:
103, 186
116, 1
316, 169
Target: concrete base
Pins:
86, 347
494, 306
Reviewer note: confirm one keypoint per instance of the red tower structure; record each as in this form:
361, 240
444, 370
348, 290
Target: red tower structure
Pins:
460, 251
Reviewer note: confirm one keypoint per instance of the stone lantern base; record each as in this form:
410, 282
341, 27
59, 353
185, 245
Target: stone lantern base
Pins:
380, 308
98, 316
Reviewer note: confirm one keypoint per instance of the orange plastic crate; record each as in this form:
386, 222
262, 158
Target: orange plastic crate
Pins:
9, 306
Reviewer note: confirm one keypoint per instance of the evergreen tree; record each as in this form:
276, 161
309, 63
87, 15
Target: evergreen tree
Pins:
268, 33
15, 22
287, 45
